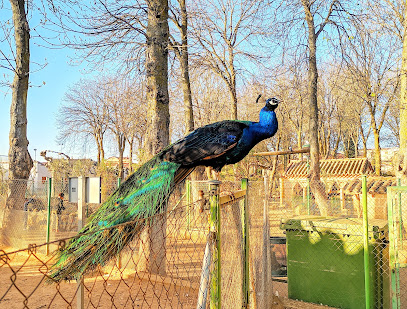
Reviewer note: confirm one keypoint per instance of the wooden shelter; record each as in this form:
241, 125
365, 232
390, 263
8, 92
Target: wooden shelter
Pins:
342, 181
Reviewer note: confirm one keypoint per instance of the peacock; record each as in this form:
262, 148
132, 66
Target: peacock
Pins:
146, 191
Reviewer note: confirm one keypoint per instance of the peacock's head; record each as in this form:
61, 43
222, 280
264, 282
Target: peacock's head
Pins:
271, 104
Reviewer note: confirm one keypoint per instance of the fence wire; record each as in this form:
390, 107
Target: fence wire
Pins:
149, 274
161, 268
309, 237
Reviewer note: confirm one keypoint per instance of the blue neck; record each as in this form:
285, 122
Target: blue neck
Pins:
266, 127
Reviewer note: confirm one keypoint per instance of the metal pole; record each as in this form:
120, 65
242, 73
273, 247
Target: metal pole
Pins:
214, 222
48, 214
81, 223
366, 242
246, 247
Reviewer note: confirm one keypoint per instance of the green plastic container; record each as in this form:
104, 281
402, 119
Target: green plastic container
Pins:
325, 261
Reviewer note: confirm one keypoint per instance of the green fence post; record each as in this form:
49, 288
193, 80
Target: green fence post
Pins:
366, 242
246, 247
48, 214
400, 215
393, 250
214, 222
308, 191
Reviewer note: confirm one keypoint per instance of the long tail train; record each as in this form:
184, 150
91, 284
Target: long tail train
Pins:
141, 196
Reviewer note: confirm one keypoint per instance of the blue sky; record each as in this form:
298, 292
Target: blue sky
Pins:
48, 86
43, 102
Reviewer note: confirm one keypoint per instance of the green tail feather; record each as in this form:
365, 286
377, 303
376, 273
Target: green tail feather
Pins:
141, 196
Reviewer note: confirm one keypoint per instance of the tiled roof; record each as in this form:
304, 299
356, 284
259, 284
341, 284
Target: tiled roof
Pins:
331, 168
375, 185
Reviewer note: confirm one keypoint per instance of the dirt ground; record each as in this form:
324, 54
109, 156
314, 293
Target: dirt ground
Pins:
22, 285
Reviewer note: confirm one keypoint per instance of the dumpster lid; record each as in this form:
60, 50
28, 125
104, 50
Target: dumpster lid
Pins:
319, 223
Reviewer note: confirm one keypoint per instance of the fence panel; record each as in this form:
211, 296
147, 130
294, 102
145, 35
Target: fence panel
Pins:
397, 215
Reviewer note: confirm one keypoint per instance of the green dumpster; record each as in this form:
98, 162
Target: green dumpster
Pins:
325, 262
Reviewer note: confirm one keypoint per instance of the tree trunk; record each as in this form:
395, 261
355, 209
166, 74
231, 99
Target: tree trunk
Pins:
99, 142
315, 182
401, 166
131, 145
377, 155
153, 259
355, 142
121, 143
157, 76
233, 93
299, 141
233, 109
20, 162
186, 85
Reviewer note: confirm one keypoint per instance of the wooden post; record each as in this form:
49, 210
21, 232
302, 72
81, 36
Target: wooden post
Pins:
81, 223
282, 193
214, 222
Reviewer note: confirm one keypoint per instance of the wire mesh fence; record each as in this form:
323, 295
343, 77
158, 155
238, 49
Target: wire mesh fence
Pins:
307, 242
318, 249
161, 268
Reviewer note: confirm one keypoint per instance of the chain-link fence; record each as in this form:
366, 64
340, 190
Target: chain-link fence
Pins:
321, 251
33, 214
306, 242
152, 273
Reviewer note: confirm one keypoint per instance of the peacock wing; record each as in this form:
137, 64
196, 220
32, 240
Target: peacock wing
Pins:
206, 142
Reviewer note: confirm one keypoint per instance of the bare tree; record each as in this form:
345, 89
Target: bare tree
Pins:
374, 76
349, 114
179, 17
20, 162
314, 30
125, 36
157, 76
135, 120
392, 17
84, 113
401, 167
292, 91
392, 122
229, 32
117, 107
